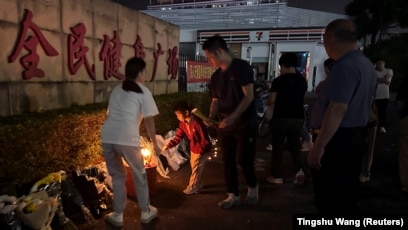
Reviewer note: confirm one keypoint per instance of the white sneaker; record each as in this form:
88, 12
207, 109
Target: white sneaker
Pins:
252, 195
300, 177
274, 180
230, 201
147, 216
307, 146
116, 219
269, 147
364, 179
382, 130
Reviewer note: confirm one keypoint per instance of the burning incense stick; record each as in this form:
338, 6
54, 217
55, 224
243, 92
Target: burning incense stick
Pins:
209, 121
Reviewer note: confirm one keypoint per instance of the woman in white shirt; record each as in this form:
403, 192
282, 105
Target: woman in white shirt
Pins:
130, 102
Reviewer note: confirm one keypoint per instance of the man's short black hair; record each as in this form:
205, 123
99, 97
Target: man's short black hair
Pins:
288, 60
212, 44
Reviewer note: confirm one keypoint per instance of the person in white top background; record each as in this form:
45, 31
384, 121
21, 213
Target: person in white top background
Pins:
382, 96
129, 103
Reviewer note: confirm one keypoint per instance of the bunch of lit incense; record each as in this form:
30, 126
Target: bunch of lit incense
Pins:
206, 119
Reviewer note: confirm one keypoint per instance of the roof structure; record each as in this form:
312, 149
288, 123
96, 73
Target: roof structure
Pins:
237, 15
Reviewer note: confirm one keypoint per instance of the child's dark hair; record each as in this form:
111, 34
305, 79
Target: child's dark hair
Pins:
182, 106
133, 67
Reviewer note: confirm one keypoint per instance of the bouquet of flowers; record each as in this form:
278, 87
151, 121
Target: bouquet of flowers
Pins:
44, 201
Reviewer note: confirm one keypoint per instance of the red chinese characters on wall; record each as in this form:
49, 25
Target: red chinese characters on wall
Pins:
172, 63
77, 51
110, 55
30, 61
156, 55
138, 46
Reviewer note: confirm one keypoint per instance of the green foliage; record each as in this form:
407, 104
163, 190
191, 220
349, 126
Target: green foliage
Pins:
33, 145
373, 17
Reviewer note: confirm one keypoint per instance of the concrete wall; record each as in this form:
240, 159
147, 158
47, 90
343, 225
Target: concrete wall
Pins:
59, 88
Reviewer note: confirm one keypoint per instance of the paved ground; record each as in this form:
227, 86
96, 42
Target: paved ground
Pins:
278, 203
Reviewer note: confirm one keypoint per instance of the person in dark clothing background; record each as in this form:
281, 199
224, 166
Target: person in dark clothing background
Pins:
287, 98
232, 102
402, 101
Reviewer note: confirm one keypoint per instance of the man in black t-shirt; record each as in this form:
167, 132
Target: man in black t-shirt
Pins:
232, 102
286, 96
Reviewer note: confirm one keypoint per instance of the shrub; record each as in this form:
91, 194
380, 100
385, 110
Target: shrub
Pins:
35, 144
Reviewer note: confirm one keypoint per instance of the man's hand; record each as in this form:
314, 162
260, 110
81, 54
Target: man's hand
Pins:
226, 122
207, 123
314, 157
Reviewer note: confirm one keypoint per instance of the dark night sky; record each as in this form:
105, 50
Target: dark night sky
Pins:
334, 6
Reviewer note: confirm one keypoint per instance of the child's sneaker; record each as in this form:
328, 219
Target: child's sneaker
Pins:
300, 177
192, 190
149, 215
116, 219
252, 195
230, 201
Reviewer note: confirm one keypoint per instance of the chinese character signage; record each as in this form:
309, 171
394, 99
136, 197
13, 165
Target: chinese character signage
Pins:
199, 71
198, 75
110, 55
31, 59
77, 52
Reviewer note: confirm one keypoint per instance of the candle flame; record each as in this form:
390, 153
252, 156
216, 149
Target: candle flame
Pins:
146, 156
145, 152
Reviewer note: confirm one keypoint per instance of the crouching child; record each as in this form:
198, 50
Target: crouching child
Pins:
195, 131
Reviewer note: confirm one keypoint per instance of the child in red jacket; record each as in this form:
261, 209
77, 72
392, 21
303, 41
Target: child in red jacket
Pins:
195, 131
